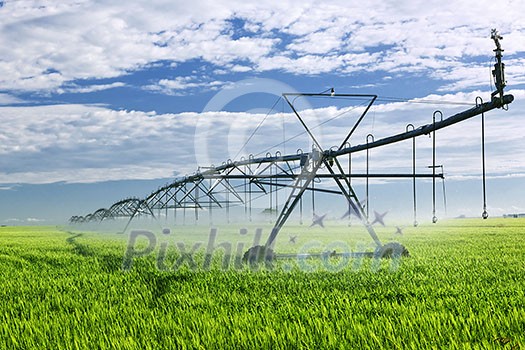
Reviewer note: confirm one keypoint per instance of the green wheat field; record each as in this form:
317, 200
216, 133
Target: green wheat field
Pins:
463, 287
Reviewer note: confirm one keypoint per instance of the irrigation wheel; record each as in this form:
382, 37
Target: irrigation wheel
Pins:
258, 254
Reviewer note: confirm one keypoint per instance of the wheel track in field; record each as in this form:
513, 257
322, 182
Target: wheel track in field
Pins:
109, 262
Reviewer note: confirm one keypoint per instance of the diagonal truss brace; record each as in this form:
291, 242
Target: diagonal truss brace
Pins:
308, 173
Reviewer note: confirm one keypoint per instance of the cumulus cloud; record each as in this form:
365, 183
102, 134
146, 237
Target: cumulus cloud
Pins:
82, 143
58, 47
89, 88
185, 85
46, 45
112, 54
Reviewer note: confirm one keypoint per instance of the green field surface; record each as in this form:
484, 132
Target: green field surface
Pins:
463, 287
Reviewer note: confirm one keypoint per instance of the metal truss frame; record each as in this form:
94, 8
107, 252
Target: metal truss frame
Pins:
234, 183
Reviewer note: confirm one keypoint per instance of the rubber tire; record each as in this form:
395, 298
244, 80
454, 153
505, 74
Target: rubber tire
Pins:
258, 254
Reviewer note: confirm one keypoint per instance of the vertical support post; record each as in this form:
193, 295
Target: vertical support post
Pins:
300, 207
276, 187
227, 203
250, 201
368, 137
302, 162
210, 206
245, 194
250, 190
196, 205
184, 205
434, 217
479, 101
175, 207
414, 196
347, 144
271, 189
313, 197
166, 205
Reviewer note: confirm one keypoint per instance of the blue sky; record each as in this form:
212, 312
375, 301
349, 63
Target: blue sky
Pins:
112, 99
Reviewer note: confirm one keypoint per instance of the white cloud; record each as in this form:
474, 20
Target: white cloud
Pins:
184, 85
46, 45
90, 88
33, 220
240, 68
85, 143
29, 220
78, 143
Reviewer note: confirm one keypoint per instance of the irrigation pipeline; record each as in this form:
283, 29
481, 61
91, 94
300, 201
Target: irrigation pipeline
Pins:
422, 130
224, 171
427, 129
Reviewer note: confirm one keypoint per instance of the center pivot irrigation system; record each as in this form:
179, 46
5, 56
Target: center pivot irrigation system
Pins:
239, 183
